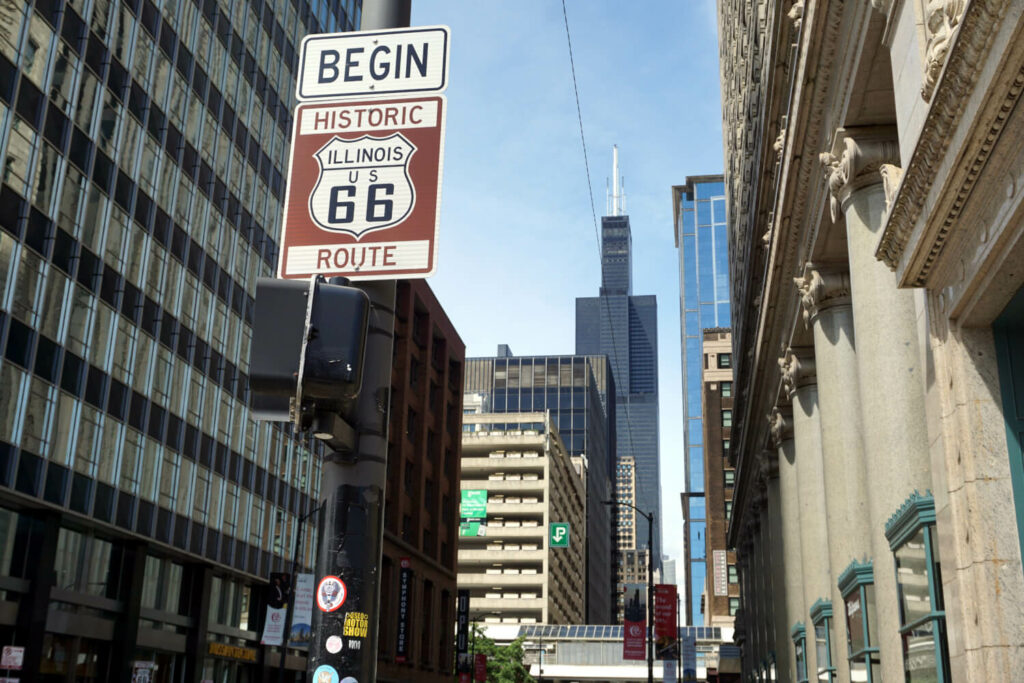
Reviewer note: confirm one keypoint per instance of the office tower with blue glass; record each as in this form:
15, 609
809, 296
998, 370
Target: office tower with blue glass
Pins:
578, 391
700, 234
624, 328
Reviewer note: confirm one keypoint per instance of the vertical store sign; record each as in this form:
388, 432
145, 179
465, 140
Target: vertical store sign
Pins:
462, 664
364, 182
721, 568
666, 641
277, 608
480, 670
404, 599
634, 623
302, 614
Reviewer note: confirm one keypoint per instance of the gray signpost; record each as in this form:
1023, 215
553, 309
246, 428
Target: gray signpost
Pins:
361, 233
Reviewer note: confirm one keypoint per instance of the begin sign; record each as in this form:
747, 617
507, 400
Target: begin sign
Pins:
364, 189
370, 63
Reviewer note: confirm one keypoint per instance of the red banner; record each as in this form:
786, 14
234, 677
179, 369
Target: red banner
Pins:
666, 644
634, 640
480, 674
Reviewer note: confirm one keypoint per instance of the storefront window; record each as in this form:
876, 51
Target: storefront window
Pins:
911, 535
821, 617
856, 584
799, 635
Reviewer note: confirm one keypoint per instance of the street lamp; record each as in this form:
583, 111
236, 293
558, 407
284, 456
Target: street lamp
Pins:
650, 581
291, 598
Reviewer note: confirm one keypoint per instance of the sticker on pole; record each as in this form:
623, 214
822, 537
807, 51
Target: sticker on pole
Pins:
364, 189
330, 593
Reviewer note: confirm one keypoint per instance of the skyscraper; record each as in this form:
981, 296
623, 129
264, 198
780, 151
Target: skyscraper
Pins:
624, 327
141, 509
576, 390
700, 234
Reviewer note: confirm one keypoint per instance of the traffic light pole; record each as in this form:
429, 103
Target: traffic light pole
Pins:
353, 482
351, 521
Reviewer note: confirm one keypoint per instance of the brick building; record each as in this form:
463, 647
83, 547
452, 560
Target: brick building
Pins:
420, 517
721, 595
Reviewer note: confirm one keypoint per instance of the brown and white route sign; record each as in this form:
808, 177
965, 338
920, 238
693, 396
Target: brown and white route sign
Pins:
364, 189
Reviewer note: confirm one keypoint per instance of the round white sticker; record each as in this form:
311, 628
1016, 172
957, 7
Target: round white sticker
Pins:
330, 594
333, 644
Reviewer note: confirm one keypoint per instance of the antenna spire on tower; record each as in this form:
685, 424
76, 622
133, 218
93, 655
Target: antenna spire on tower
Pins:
618, 197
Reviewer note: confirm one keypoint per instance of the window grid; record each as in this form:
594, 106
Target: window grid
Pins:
911, 536
821, 617
856, 585
81, 392
799, 636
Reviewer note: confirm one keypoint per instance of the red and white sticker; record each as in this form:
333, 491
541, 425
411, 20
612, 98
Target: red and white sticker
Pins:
330, 593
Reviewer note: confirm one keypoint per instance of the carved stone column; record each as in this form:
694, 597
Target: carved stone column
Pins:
791, 608
825, 295
891, 379
800, 383
777, 633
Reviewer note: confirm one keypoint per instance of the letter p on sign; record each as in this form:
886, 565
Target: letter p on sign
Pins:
559, 535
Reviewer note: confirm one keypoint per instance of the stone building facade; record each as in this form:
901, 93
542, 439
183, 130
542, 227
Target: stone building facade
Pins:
874, 178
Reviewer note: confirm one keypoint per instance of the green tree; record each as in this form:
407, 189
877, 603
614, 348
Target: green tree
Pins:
504, 663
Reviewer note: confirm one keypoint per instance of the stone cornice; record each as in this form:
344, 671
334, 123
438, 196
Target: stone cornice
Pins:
821, 288
855, 161
797, 366
967, 57
766, 327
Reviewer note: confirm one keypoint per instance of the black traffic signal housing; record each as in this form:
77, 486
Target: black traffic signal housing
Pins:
309, 341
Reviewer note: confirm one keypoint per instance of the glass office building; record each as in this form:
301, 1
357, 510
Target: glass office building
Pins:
700, 229
141, 509
624, 328
576, 390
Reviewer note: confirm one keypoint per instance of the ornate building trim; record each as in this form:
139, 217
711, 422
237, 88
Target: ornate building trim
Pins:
821, 289
967, 55
780, 425
856, 160
942, 18
798, 370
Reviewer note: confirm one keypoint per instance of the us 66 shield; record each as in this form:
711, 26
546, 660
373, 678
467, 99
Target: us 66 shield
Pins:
364, 189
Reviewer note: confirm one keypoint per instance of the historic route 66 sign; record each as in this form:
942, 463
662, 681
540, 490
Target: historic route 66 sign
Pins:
364, 191
364, 184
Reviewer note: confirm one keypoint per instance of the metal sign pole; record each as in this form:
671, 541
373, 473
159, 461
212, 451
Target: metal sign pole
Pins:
351, 522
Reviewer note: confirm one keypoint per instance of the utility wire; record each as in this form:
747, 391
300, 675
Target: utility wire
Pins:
597, 235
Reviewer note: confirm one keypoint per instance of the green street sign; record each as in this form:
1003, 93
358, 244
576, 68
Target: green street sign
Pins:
559, 535
472, 529
474, 504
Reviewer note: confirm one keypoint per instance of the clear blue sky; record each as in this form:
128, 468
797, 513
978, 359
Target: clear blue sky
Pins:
518, 241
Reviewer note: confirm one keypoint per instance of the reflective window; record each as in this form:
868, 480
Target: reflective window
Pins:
911, 534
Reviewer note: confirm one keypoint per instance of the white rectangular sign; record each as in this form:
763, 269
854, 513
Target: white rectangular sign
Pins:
13, 657
368, 63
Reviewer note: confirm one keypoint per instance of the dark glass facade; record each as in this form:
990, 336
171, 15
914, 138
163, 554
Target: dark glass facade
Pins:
704, 303
145, 146
624, 328
575, 389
